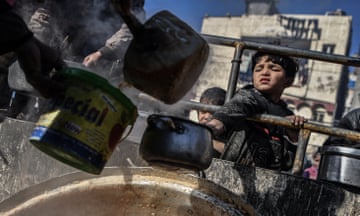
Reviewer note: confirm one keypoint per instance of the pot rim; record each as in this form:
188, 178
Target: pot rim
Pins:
342, 150
182, 119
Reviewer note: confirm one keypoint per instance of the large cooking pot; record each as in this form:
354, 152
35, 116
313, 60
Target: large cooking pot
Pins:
340, 164
125, 191
169, 140
166, 56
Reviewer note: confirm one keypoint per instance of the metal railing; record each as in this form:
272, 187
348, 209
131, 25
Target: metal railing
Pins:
307, 128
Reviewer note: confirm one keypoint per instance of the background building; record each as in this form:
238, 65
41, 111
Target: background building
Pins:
353, 99
320, 89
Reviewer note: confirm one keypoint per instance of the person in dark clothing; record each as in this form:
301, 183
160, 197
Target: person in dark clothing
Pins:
35, 58
350, 121
256, 144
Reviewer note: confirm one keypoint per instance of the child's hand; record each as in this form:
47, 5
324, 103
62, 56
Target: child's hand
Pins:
216, 126
297, 120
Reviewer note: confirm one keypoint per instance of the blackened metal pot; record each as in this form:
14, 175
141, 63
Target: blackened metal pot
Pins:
340, 164
175, 141
166, 56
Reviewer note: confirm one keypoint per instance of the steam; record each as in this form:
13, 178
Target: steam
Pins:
83, 25
152, 105
99, 21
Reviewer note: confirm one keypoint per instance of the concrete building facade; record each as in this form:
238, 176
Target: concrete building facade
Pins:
320, 89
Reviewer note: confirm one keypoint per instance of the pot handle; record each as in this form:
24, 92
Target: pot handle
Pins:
123, 7
164, 123
127, 134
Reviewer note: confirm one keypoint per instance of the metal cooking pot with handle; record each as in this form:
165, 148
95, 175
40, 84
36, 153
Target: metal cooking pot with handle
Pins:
175, 141
340, 164
165, 57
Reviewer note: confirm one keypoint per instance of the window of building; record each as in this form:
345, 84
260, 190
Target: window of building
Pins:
328, 48
319, 114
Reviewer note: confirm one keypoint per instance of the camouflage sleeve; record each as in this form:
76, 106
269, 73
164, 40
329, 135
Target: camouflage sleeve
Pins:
118, 43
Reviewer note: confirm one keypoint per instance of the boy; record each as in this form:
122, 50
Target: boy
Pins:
212, 96
256, 144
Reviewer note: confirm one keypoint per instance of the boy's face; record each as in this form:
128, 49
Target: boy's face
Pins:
270, 78
204, 116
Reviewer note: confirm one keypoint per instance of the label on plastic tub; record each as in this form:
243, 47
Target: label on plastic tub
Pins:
84, 127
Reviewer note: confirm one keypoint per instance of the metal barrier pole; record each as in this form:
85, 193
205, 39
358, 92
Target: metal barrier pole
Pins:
234, 74
233, 42
305, 132
304, 136
269, 119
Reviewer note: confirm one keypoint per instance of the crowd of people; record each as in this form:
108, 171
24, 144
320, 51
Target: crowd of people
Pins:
40, 35
41, 45
236, 139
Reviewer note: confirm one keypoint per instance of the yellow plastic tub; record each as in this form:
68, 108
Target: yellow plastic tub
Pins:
82, 128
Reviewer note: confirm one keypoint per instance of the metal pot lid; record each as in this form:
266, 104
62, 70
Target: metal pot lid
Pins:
340, 150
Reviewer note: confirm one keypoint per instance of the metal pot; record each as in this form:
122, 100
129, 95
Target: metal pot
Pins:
166, 56
340, 165
125, 191
175, 141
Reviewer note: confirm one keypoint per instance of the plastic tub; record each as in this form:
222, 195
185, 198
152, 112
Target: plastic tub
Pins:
83, 128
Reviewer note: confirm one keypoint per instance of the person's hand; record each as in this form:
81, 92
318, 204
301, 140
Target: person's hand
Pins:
39, 19
38, 60
216, 126
297, 121
92, 59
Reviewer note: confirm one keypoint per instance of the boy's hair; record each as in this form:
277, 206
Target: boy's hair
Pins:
290, 66
213, 96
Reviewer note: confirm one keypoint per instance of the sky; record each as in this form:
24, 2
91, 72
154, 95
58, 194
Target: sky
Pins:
193, 11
